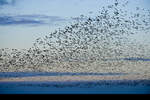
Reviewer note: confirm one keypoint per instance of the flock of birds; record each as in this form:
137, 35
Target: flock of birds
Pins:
86, 40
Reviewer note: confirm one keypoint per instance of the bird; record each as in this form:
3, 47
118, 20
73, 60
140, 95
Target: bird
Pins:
86, 40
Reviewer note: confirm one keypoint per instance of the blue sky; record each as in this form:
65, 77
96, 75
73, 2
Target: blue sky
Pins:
22, 21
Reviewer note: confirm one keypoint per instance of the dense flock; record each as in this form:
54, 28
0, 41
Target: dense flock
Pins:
85, 41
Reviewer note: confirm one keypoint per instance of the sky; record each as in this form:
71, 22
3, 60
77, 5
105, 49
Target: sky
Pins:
23, 21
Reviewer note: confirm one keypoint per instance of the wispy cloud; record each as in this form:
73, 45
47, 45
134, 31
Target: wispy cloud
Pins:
29, 20
7, 2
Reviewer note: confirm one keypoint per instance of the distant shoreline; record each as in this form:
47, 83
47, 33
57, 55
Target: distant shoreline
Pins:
76, 78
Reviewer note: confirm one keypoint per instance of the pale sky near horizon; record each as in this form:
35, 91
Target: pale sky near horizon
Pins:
22, 21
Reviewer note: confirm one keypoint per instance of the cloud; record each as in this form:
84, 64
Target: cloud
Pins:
29, 20
7, 2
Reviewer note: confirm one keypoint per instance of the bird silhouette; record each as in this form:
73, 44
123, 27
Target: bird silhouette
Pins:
87, 40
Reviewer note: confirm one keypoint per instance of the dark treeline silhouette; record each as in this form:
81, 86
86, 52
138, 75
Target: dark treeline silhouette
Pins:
88, 39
